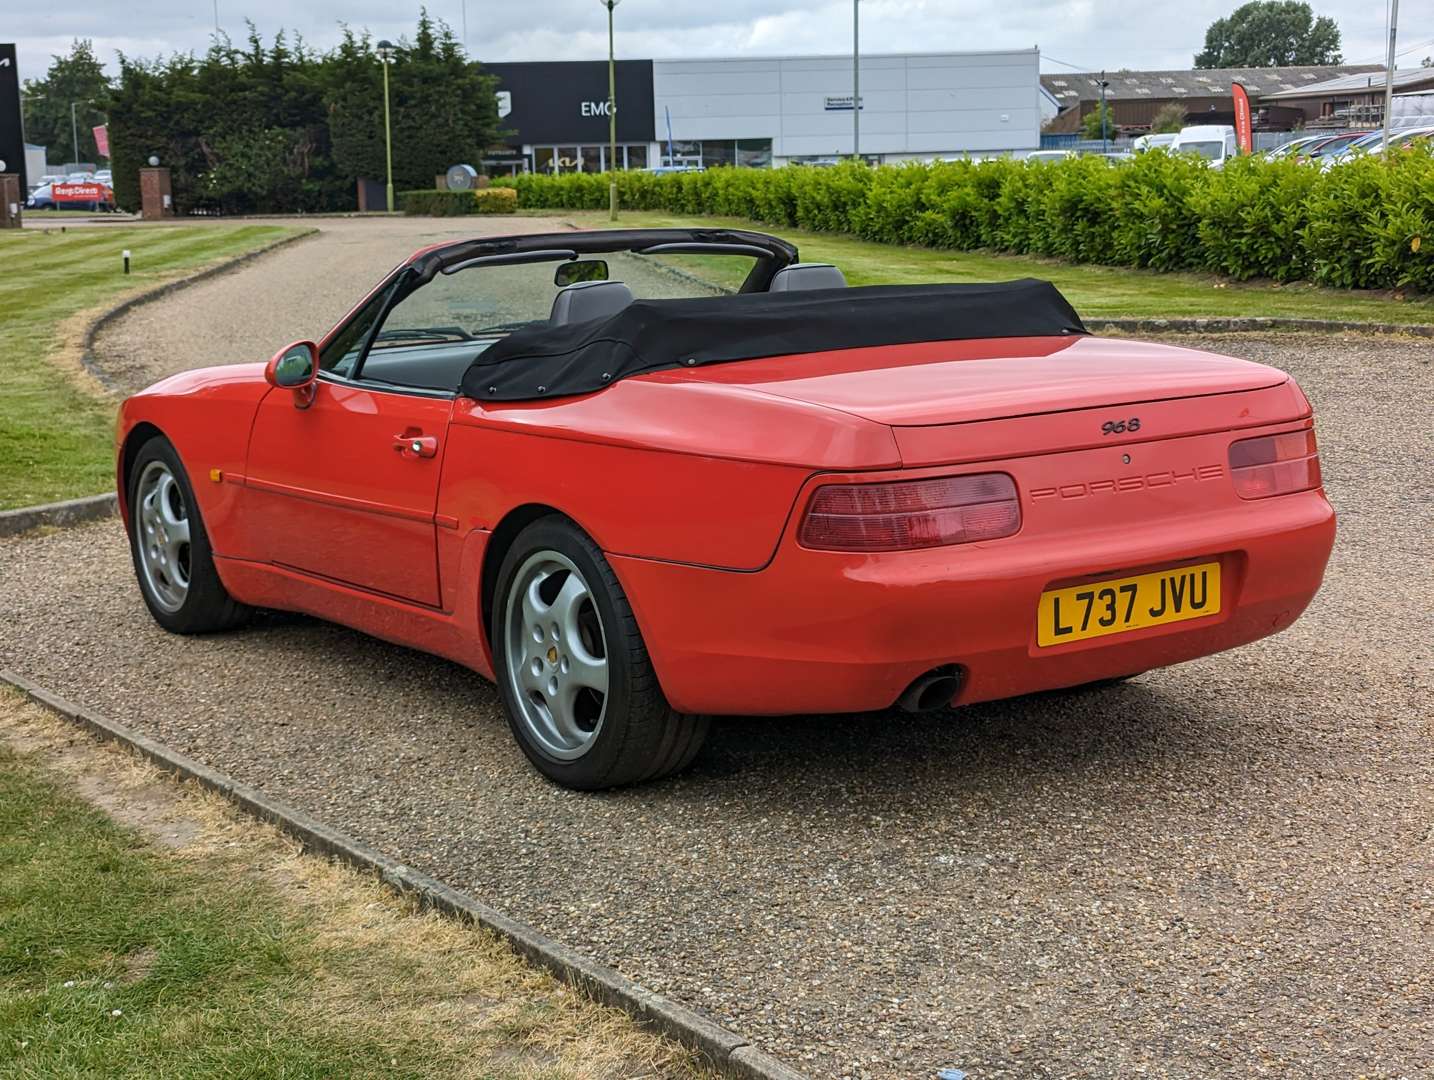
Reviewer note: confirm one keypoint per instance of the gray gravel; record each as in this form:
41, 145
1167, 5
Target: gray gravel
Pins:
1220, 869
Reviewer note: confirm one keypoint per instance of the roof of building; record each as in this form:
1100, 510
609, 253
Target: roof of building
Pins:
1363, 80
1068, 89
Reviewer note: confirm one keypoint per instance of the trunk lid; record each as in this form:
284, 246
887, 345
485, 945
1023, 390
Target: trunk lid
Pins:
957, 382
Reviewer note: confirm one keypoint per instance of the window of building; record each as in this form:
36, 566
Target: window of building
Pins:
754, 153
591, 157
542, 159
636, 156
715, 154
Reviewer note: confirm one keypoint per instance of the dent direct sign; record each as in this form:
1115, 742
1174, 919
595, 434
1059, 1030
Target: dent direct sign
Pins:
85, 193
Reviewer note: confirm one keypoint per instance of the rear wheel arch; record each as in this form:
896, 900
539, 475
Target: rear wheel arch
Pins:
504, 533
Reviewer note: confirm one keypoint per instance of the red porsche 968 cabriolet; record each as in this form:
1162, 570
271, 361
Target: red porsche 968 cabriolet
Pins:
640, 478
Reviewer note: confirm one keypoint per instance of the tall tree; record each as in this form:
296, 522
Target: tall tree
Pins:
443, 107
76, 78
1270, 33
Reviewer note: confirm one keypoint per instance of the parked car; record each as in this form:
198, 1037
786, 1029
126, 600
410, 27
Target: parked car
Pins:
1373, 143
635, 514
1213, 142
1154, 141
1333, 144
43, 197
1037, 157
1300, 147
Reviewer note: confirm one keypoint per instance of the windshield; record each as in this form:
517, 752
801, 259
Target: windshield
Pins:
489, 301
1211, 151
432, 334
1335, 145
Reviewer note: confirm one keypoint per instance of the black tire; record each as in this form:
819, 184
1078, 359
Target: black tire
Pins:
638, 736
206, 606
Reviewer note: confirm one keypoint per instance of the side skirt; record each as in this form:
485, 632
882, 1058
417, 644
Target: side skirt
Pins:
441, 633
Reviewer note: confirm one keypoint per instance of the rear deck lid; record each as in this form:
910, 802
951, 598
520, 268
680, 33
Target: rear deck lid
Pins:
957, 382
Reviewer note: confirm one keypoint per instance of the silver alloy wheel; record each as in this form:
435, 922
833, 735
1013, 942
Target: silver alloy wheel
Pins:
557, 663
161, 529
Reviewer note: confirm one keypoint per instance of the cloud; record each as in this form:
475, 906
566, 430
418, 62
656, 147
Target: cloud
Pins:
1111, 34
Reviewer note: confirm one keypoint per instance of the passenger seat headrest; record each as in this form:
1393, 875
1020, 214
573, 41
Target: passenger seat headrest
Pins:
589, 300
804, 276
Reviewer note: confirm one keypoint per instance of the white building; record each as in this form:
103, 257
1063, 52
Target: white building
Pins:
761, 111
923, 105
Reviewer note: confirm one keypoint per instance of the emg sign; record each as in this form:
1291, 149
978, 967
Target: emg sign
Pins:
565, 102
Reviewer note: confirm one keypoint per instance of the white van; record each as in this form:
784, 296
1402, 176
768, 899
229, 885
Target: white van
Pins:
1153, 141
1213, 142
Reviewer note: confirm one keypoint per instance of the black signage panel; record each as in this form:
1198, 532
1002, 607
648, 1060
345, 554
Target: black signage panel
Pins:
12, 132
564, 102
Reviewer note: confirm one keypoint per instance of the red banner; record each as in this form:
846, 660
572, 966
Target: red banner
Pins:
102, 140
85, 193
1244, 128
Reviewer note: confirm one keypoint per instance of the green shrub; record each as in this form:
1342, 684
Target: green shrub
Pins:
495, 200
1367, 223
436, 203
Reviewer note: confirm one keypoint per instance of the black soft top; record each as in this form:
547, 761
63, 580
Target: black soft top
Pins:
651, 335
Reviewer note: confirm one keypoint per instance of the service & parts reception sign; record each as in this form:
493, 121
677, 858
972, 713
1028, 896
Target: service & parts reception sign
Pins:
12, 134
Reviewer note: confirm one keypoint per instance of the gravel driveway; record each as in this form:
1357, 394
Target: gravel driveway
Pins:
1220, 869
298, 292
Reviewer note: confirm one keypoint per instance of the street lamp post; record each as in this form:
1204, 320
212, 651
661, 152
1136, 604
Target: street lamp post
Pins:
611, 114
1104, 146
1389, 75
386, 54
856, 80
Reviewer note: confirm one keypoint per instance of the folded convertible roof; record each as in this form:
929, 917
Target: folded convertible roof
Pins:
651, 335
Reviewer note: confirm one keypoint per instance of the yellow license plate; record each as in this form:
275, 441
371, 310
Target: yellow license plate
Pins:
1129, 603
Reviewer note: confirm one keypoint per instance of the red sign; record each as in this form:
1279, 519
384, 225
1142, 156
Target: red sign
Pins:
102, 140
1244, 130
85, 193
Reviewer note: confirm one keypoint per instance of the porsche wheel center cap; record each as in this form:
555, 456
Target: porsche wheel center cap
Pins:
553, 655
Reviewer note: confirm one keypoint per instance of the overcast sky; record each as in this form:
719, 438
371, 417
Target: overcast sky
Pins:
1091, 34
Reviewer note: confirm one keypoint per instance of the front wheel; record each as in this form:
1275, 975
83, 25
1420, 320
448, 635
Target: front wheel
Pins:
170, 548
576, 679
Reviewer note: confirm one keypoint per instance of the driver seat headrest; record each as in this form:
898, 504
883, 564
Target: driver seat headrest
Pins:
587, 300
799, 277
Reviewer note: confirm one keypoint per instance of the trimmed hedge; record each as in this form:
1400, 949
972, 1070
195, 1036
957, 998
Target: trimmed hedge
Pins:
1367, 223
495, 200
435, 203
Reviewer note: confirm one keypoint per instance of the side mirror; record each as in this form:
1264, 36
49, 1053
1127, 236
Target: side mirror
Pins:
295, 367
570, 273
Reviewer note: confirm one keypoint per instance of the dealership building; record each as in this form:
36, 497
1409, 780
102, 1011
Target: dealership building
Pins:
766, 111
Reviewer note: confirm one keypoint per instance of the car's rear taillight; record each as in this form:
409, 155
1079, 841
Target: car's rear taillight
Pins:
1275, 464
905, 514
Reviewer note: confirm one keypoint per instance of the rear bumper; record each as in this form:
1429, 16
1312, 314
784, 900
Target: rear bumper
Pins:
828, 632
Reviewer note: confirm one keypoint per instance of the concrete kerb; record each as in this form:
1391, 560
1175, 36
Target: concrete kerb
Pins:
1255, 324
58, 514
728, 1051
92, 332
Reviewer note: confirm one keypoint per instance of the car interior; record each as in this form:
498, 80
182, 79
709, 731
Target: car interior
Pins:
440, 366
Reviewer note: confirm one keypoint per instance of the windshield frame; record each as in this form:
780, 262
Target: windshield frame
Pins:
770, 253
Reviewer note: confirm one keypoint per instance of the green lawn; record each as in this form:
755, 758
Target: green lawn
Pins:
233, 955
1093, 290
56, 438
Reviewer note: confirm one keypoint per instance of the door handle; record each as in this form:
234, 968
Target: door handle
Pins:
419, 446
